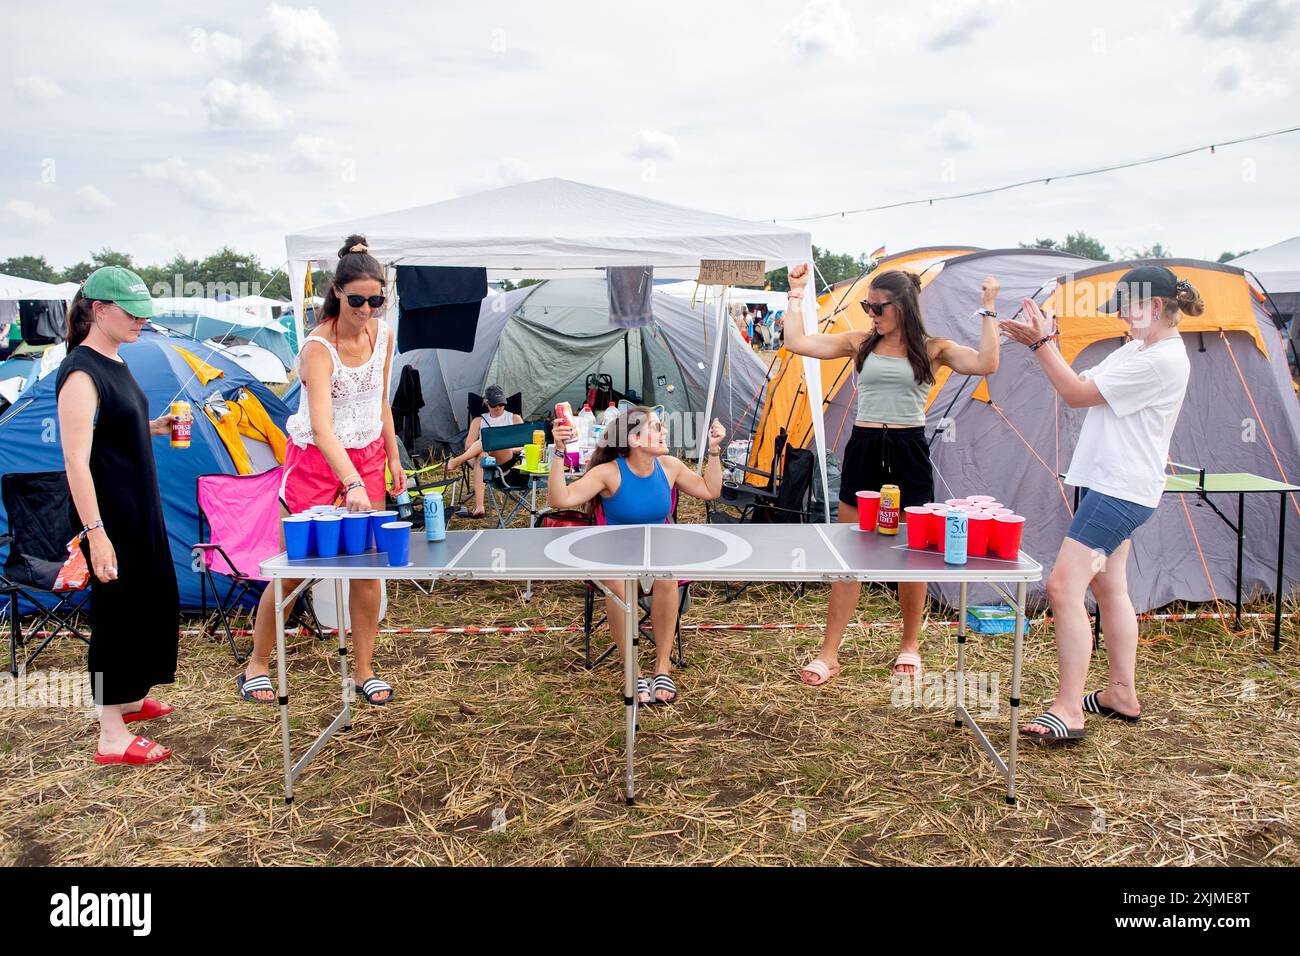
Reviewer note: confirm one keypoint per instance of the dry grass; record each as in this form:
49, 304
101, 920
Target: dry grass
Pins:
514, 723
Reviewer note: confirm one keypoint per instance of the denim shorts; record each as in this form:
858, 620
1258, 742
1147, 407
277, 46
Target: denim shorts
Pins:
1104, 523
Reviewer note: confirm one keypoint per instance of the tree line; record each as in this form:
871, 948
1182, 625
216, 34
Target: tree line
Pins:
238, 273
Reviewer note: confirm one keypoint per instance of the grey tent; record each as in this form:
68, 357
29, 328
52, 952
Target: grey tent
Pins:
543, 341
1010, 437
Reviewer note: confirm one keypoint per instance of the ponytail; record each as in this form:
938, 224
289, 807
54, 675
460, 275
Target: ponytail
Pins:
1187, 301
80, 318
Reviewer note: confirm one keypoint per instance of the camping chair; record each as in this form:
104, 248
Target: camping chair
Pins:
576, 518
239, 528
40, 527
786, 498
473, 409
510, 488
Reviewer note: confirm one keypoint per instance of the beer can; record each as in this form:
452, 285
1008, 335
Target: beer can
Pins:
890, 499
182, 421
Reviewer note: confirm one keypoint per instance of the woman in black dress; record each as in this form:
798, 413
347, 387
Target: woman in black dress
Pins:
107, 451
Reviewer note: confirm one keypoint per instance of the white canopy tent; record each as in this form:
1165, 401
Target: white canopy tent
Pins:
1277, 267
15, 288
556, 228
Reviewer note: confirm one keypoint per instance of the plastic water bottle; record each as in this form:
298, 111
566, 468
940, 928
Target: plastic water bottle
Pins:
954, 538
586, 422
435, 522
611, 413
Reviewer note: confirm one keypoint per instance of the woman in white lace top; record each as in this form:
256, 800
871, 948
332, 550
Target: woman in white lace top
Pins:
341, 440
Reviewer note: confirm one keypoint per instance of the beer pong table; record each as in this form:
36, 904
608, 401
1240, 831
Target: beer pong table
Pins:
643, 554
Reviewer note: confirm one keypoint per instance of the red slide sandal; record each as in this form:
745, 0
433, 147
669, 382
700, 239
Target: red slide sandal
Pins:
148, 710
135, 753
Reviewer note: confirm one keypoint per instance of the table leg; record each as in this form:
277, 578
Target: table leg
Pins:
961, 656
348, 692
278, 593
1241, 534
631, 642
1017, 653
1281, 556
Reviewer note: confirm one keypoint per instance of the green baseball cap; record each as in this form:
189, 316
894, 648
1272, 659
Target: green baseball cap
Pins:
121, 286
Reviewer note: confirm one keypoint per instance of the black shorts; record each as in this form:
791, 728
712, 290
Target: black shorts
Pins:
876, 457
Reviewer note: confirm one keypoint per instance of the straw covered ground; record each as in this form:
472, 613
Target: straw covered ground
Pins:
504, 749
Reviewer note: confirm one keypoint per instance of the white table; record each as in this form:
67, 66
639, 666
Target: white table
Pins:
643, 554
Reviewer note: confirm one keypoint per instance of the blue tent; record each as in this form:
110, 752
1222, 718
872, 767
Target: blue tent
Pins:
29, 435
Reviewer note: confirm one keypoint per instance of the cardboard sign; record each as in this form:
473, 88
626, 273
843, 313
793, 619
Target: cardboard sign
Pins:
731, 272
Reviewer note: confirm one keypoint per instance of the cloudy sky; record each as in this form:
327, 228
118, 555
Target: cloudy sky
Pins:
189, 125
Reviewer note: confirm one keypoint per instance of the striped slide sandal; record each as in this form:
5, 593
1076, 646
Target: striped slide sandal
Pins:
1057, 735
1092, 705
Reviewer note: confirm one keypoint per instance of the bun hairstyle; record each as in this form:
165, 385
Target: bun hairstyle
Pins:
355, 262
81, 317
1187, 301
904, 289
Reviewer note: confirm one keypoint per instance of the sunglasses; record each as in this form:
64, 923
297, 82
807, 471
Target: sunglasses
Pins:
876, 308
375, 301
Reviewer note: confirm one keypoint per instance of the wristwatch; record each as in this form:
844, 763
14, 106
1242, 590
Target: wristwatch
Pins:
989, 312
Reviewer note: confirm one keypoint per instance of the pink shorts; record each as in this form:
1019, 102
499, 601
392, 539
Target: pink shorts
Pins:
309, 480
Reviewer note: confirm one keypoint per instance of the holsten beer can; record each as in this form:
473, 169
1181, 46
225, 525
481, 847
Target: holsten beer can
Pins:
182, 421
890, 499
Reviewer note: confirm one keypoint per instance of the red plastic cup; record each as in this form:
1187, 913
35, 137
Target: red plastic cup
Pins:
954, 502
918, 526
999, 511
938, 516
932, 505
978, 526
979, 499
1009, 530
868, 510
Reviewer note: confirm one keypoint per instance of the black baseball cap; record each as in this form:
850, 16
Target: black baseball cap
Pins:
495, 395
1140, 284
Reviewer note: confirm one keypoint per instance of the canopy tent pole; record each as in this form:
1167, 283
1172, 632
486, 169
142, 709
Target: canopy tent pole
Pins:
812, 373
721, 309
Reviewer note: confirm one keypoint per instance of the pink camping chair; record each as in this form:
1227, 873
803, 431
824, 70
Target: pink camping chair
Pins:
239, 528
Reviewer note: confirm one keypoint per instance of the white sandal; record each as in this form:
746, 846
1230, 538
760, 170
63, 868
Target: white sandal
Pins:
907, 657
820, 670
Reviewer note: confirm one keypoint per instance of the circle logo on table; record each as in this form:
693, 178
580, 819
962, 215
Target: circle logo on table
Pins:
678, 546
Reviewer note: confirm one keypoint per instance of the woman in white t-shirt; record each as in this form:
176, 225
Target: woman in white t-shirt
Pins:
1133, 399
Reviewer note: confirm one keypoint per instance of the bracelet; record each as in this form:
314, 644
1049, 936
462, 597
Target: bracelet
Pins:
92, 526
1043, 341
715, 453
355, 483
794, 294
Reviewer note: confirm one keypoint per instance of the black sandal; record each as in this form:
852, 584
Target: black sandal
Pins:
1057, 735
249, 685
1092, 704
663, 682
369, 689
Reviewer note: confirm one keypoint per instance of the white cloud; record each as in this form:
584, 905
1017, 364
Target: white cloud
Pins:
956, 131
822, 29
92, 200
506, 172
1254, 19
225, 46
252, 162
201, 186
39, 89
319, 153
242, 105
299, 44
655, 144
27, 213
1234, 71
956, 22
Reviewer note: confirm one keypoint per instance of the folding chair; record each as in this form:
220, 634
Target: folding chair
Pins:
510, 488
787, 499
40, 527
239, 528
575, 518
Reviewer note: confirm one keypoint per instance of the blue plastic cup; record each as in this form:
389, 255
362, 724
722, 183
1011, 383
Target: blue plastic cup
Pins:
395, 538
328, 530
377, 518
356, 532
297, 536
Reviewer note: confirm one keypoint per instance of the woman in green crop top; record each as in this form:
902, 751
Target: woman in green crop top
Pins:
896, 362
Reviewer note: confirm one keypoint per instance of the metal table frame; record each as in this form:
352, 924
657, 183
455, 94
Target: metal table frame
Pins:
1238, 528
1026, 570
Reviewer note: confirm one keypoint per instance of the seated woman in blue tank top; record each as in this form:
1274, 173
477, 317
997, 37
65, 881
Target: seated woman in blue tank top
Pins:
631, 478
